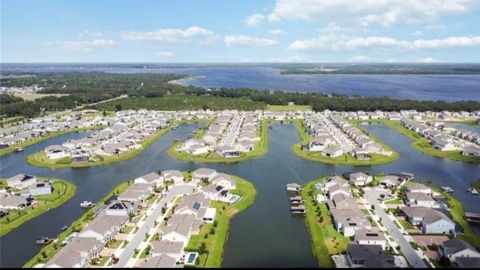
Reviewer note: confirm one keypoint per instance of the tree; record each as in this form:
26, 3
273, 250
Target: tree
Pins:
118, 107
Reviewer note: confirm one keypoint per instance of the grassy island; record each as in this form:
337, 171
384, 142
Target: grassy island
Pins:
326, 240
31, 142
62, 192
260, 149
215, 243
40, 159
344, 159
47, 252
422, 144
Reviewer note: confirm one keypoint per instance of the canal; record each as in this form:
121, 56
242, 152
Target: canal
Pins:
264, 235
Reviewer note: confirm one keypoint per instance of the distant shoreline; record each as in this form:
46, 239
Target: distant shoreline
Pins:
183, 81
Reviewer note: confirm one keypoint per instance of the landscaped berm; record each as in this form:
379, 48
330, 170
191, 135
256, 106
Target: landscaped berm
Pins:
62, 191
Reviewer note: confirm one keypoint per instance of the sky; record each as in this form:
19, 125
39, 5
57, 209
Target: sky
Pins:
201, 31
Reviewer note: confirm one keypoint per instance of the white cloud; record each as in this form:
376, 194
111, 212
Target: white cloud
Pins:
384, 12
359, 58
164, 54
89, 34
254, 20
169, 35
242, 40
344, 42
417, 33
81, 46
277, 32
429, 60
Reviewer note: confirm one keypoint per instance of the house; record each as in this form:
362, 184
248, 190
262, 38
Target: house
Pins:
152, 178
194, 204
162, 261
165, 247
210, 214
443, 145
21, 181
333, 151
371, 237
56, 151
334, 190
347, 221
467, 262
203, 173
39, 188
103, 228
420, 199
224, 180
178, 232
227, 151
390, 181
119, 208
13, 202
173, 175
360, 179
431, 221
342, 201
76, 254
417, 187
368, 256
471, 150
456, 248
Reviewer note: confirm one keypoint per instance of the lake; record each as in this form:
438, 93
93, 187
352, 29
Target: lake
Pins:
263, 235
417, 87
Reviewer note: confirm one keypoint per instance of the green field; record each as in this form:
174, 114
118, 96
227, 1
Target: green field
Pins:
326, 241
47, 252
62, 192
215, 243
344, 159
423, 145
40, 159
289, 108
176, 102
260, 149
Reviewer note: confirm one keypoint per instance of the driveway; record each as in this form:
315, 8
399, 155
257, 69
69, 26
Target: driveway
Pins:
371, 195
137, 239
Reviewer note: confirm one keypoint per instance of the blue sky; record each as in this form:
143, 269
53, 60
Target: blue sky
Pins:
240, 31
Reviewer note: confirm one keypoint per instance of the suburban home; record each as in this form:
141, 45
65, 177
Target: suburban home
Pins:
162, 261
332, 151
371, 237
224, 180
103, 228
56, 151
13, 202
152, 178
227, 151
203, 173
431, 221
368, 256
173, 175
420, 199
360, 179
456, 248
417, 187
39, 188
165, 247
390, 181
443, 145
471, 150
76, 254
334, 190
342, 201
347, 221
119, 208
21, 181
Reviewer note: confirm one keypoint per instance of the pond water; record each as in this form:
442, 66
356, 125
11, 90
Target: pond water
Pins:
264, 235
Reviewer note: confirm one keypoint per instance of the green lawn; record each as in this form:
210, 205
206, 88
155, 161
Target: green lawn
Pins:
40, 159
344, 159
51, 249
326, 241
63, 191
260, 149
215, 242
289, 108
422, 144
31, 142
396, 200
406, 224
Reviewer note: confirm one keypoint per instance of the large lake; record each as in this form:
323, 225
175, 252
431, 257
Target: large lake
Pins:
263, 235
417, 87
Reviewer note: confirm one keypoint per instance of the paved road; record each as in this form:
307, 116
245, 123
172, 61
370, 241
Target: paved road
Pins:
127, 253
412, 256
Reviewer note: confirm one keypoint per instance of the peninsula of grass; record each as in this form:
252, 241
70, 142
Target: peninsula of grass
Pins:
422, 144
62, 192
40, 158
211, 240
344, 159
260, 149
326, 240
33, 141
47, 252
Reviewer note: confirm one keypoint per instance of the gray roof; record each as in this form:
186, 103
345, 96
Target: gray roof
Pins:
369, 234
167, 247
370, 255
455, 245
162, 261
